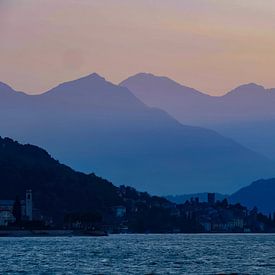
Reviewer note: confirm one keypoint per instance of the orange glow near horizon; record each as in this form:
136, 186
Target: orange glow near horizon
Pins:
210, 45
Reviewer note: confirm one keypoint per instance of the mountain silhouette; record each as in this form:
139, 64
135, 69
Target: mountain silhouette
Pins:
96, 126
245, 114
57, 189
259, 194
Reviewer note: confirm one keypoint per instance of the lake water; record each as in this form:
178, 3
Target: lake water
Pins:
140, 254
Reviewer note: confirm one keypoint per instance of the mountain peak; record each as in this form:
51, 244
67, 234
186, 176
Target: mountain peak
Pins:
4, 87
89, 78
143, 76
93, 76
247, 89
93, 90
251, 85
7, 90
142, 84
81, 85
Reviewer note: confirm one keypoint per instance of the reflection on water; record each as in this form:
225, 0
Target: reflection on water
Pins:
140, 254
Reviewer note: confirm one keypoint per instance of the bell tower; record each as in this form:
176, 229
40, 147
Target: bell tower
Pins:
29, 204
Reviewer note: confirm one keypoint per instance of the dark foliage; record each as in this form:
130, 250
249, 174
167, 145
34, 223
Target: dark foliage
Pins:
17, 210
69, 196
57, 189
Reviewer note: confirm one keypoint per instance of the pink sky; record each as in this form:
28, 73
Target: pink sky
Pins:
211, 45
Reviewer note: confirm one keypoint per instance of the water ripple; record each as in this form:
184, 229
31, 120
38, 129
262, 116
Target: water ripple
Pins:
140, 254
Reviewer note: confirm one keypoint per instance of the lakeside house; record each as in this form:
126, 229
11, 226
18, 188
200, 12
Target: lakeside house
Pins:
220, 216
139, 212
120, 211
7, 210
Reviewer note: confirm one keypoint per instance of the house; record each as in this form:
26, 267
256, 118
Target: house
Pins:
6, 217
120, 211
7, 210
205, 222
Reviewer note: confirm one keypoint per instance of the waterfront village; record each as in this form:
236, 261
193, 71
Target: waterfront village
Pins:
141, 213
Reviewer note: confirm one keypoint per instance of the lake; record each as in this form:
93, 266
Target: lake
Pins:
140, 254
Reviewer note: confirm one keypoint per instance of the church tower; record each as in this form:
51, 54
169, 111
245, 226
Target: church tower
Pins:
29, 204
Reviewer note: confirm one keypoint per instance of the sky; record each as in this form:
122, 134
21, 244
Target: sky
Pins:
210, 45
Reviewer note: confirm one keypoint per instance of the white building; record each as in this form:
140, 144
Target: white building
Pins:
6, 210
120, 211
29, 205
6, 217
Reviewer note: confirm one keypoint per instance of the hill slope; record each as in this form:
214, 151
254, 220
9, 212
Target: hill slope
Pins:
93, 125
57, 189
260, 193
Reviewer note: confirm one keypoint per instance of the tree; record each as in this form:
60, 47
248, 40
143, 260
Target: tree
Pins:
224, 203
16, 211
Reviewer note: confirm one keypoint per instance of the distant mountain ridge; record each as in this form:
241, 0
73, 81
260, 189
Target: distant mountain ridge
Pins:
90, 123
165, 93
259, 194
245, 114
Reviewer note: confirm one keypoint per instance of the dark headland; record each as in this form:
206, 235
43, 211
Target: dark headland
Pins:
41, 197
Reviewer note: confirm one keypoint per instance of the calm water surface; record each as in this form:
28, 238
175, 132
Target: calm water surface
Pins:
140, 254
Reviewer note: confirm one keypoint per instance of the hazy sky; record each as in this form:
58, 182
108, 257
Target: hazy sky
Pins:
211, 45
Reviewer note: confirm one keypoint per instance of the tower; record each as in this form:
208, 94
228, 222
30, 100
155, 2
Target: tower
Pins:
29, 204
211, 198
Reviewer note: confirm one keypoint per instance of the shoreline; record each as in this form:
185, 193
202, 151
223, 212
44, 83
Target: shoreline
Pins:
74, 233
50, 233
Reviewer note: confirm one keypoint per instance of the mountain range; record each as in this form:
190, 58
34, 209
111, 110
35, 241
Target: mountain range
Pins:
96, 126
245, 114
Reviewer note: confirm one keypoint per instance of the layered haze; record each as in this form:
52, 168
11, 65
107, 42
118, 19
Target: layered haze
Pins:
201, 120
246, 113
96, 126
